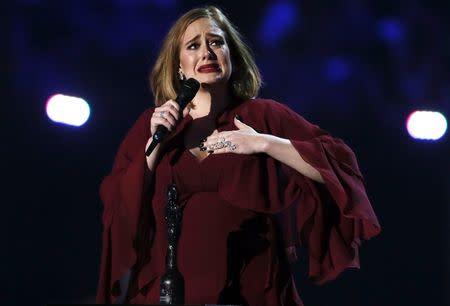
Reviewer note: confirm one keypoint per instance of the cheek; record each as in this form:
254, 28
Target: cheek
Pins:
226, 58
228, 61
185, 61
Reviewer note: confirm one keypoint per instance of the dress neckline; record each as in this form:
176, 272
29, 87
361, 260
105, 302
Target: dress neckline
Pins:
196, 160
221, 120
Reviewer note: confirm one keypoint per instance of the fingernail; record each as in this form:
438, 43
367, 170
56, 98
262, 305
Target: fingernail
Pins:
238, 118
210, 151
203, 149
201, 145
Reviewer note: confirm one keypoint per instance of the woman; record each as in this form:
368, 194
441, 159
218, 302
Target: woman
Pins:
255, 181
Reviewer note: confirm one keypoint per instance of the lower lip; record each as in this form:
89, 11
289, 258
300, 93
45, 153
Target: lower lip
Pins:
208, 70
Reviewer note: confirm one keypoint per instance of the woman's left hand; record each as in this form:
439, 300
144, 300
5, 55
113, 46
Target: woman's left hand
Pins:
244, 140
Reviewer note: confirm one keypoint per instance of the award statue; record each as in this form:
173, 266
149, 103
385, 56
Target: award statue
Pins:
172, 282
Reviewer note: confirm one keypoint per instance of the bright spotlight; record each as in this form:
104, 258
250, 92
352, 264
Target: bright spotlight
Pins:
426, 125
68, 110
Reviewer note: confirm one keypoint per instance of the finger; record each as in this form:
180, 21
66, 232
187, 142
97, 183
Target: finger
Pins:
169, 106
221, 143
211, 144
159, 118
168, 109
219, 135
239, 124
161, 122
228, 148
173, 104
167, 116
216, 144
186, 111
174, 114
208, 138
175, 107
164, 122
218, 151
212, 139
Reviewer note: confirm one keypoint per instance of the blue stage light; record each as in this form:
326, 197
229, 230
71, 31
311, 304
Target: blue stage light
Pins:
391, 30
337, 69
278, 19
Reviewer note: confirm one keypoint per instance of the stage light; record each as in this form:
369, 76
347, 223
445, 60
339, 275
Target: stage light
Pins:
67, 110
391, 30
426, 125
336, 69
278, 19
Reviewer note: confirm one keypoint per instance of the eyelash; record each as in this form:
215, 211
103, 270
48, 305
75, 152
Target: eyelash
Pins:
217, 42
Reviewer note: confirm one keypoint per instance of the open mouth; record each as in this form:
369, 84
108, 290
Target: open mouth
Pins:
209, 68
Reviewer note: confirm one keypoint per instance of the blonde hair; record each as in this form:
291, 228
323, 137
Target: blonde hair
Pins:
245, 80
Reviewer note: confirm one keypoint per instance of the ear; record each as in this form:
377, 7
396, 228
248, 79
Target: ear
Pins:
181, 75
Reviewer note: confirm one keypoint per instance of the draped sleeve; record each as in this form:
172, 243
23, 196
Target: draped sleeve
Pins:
328, 220
122, 192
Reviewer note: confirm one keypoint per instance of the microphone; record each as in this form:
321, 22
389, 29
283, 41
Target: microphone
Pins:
187, 92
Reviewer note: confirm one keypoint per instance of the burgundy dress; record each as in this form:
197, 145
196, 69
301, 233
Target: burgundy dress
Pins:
241, 214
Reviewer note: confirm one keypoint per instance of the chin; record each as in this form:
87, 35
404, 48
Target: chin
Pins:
212, 81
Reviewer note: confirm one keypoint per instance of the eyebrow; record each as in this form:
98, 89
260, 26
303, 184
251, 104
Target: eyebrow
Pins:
208, 35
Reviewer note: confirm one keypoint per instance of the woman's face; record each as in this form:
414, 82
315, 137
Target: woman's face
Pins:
204, 53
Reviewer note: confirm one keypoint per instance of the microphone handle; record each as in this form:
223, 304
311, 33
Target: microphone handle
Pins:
161, 132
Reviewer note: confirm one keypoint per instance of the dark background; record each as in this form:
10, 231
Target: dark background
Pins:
356, 68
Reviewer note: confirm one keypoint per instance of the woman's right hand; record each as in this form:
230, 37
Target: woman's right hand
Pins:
166, 115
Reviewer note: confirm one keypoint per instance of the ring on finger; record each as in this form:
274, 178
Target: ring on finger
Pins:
216, 146
230, 145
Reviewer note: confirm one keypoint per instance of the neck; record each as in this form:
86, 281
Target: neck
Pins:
209, 102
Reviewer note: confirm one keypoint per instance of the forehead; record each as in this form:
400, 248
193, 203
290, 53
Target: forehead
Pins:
201, 26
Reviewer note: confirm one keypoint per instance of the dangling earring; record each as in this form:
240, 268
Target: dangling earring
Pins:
181, 75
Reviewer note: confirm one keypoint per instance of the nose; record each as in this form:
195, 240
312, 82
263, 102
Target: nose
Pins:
207, 52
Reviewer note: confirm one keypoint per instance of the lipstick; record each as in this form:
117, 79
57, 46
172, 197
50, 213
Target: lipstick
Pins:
209, 68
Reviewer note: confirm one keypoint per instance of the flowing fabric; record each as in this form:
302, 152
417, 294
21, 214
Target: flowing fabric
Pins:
240, 212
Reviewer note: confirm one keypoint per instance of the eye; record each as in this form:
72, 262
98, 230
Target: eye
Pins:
193, 46
216, 42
